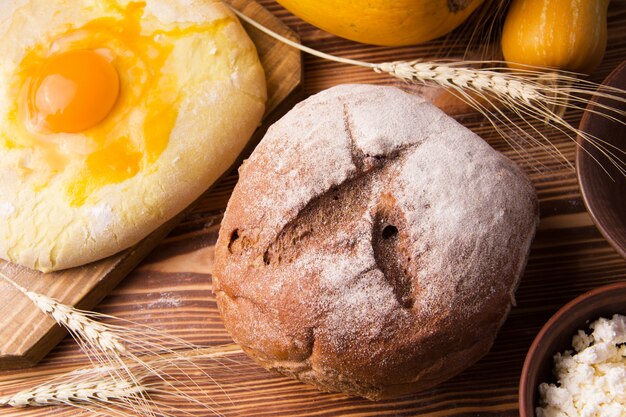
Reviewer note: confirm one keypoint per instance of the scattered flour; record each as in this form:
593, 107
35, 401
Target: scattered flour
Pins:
6, 209
102, 219
167, 299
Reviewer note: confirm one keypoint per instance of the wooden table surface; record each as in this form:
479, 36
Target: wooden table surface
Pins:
171, 289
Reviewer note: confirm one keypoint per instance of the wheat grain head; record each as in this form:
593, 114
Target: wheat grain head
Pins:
515, 102
105, 390
127, 350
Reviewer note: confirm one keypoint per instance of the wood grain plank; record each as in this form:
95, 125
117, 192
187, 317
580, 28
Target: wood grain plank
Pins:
171, 288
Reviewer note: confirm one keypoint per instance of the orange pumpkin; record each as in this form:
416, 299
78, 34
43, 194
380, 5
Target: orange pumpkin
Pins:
384, 22
563, 34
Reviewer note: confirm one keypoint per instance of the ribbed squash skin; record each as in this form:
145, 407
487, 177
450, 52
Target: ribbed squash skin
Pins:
384, 22
563, 34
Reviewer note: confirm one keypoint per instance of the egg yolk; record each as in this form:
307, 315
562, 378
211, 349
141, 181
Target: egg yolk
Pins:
72, 92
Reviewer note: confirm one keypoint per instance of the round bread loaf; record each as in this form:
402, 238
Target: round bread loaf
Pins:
373, 245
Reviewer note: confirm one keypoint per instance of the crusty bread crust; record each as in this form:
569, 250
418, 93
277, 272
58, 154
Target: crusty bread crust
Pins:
217, 114
372, 245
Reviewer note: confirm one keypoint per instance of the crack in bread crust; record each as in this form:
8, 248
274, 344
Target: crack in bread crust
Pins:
391, 247
351, 203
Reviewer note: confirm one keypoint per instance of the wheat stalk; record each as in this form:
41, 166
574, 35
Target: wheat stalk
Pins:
493, 88
99, 341
77, 322
126, 351
105, 390
451, 77
92, 389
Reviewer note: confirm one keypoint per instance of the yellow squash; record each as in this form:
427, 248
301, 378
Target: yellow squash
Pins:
563, 34
384, 22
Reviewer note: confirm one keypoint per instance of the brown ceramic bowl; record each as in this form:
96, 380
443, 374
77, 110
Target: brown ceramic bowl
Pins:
556, 336
605, 197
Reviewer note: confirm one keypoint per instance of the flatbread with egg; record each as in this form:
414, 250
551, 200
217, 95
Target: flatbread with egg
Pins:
114, 116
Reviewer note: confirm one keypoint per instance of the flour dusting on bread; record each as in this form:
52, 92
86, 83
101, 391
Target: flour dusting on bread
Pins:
366, 231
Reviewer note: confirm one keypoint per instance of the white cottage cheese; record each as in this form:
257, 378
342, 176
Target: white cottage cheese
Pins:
592, 381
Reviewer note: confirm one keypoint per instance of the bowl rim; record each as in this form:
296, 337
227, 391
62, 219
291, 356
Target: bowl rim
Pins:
580, 154
523, 391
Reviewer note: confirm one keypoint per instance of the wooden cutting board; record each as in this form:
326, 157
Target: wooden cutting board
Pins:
26, 335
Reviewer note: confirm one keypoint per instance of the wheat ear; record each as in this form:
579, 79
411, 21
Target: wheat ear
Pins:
122, 350
106, 390
92, 389
523, 92
75, 321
